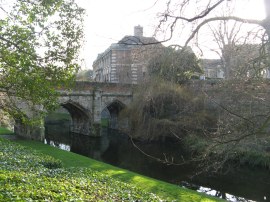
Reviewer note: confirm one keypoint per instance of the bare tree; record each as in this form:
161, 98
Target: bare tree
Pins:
197, 14
243, 118
238, 53
191, 21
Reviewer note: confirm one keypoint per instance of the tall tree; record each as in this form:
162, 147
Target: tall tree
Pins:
237, 52
39, 46
266, 21
175, 65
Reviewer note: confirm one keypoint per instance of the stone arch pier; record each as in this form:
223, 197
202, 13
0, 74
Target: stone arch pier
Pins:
110, 114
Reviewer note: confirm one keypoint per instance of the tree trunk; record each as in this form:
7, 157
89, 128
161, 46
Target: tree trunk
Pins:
266, 25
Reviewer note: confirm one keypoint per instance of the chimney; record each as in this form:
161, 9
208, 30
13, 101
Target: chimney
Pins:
138, 31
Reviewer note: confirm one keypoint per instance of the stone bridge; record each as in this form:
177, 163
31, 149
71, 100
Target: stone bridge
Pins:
89, 104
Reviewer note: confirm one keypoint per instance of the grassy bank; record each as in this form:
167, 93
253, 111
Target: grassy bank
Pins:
250, 152
26, 175
160, 189
4, 131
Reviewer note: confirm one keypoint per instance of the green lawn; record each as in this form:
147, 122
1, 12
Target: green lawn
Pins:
4, 131
162, 189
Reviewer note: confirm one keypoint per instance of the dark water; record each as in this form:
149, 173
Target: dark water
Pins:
118, 150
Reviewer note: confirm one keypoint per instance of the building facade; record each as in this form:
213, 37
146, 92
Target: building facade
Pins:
212, 69
244, 61
238, 62
126, 61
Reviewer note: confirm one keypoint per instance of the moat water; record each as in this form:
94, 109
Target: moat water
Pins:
118, 150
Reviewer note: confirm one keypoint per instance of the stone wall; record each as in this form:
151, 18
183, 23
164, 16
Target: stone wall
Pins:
245, 104
36, 132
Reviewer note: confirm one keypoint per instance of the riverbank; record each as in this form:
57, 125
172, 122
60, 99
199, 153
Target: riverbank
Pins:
252, 153
160, 189
4, 131
7, 134
221, 126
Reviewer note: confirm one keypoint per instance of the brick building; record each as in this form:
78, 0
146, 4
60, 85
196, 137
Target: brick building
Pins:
126, 61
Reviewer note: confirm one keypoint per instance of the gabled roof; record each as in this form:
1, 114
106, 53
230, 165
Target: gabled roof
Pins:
135, 40
128, 42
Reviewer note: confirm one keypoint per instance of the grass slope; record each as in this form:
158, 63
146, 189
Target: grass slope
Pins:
28, 175
4, 131
162, 189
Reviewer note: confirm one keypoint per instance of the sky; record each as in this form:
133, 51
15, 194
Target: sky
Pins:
109, 21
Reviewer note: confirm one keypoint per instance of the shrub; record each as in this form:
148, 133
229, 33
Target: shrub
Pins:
50, 162
162, 109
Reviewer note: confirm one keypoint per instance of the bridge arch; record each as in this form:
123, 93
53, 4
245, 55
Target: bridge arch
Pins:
110, 114
81, 117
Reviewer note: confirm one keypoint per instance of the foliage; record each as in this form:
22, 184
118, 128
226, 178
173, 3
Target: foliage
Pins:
4, 131
50, 162
162, 109
62, 185
226, 125
84, 75
39, 46
165, 190
175, 65
6, 120
28, 175
230, 155
241, 134
243, 110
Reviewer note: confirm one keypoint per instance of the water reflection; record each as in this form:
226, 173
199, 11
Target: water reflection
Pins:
117, 149
213, 192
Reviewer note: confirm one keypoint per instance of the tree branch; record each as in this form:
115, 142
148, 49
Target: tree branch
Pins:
248, 21
228, 110
202, 15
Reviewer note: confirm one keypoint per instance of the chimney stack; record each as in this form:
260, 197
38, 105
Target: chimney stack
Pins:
138, 31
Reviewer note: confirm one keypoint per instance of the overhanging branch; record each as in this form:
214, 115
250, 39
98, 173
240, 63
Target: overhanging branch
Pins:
176, 18
248, 21
200, 16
